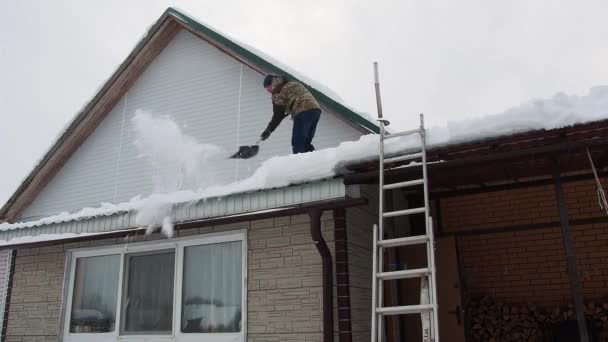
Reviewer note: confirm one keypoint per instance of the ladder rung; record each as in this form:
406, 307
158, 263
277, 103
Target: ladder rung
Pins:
405, 274
406, 309
403, 184
403, 157
404, 212
405, 241
401, 134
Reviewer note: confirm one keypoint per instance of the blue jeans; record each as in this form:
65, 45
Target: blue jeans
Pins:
304, 127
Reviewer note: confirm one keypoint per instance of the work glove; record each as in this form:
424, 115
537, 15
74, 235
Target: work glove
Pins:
265, 135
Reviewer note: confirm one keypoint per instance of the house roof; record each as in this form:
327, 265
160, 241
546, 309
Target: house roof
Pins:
521, 159
157, 37
124, 217
267, 65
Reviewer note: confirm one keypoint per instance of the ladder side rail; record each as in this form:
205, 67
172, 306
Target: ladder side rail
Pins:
429, 233
433, 284
379, 249
380, 256
374, 280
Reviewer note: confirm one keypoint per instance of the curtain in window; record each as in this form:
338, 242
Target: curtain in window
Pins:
95, 294
148, 293
212, 287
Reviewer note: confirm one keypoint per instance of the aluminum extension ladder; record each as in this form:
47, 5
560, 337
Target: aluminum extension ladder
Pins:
428, 299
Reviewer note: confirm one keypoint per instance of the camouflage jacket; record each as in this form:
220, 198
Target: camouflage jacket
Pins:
290, 98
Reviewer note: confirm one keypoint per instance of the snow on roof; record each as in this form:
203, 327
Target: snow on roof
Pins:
45, 237
559, 111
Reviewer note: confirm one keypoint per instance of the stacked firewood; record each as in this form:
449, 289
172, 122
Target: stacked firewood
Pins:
493, 321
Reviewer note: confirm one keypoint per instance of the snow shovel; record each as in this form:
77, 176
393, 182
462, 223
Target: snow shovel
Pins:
247, 151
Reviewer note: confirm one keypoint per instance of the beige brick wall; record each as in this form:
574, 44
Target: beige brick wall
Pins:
284, 285
36, 294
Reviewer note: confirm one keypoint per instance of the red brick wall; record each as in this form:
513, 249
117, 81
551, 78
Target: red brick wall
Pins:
530, 265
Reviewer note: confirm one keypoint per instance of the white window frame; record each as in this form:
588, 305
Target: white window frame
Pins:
178, 244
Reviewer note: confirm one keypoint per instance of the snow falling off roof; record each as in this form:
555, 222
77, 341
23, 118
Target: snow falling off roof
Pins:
559, 111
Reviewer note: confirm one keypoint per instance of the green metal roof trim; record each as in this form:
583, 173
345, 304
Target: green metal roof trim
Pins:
340, 109
240, 204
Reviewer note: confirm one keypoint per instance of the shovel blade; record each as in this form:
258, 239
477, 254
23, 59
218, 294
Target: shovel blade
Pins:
246, 152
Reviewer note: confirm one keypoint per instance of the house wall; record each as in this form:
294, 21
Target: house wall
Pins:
4, 276
284, 282
359, 223
212, 98
528, 266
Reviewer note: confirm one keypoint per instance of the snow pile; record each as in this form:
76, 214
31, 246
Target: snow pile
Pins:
177, 160
44, 237
559, 111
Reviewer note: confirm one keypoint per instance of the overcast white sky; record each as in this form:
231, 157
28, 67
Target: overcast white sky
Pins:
448, 59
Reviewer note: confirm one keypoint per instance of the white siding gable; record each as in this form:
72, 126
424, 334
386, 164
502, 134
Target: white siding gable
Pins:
212, 96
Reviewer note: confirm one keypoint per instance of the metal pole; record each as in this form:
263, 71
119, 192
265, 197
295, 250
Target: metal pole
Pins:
575, 287
601, 195
377, 85
380, 249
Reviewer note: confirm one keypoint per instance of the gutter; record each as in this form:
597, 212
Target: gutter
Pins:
371, 177
197, 223
328, 293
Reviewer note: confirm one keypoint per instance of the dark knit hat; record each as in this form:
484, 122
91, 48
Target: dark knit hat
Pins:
268, 80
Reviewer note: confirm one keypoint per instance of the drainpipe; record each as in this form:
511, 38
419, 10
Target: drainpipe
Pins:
328, 291
10, 273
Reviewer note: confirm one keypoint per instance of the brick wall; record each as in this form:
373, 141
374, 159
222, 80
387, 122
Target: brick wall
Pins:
4, 270
359, 222
528, 265
284, 287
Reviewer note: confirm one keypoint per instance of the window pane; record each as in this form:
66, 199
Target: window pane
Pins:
95, 294
212, 288
147, 304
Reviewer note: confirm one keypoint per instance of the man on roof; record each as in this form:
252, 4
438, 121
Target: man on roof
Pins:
292, 98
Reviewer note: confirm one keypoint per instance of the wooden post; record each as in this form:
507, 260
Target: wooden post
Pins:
575, 286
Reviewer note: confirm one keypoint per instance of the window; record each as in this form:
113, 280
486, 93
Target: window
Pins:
94, 299
147, 303
180, 289
211, 294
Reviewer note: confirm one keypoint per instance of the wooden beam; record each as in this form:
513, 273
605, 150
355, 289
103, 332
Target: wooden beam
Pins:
514, 185
520, 227
575, 286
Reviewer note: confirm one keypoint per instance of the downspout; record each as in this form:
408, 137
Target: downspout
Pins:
328, 291
10, 272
